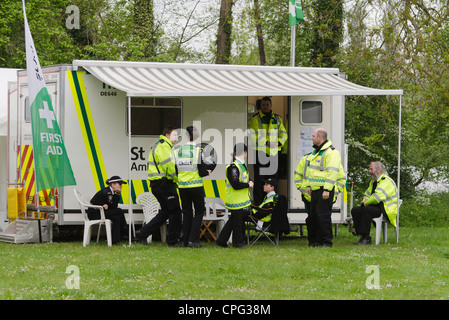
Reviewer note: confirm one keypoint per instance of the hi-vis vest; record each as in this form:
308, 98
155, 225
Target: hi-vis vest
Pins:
187, 158
160, 161
267, 129
323, 167
385, 192
237, 199
267, 199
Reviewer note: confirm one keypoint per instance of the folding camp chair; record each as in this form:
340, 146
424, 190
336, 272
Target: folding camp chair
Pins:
276, 226
262, 228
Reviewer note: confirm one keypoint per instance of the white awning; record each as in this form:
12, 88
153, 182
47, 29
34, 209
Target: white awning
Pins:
179, 79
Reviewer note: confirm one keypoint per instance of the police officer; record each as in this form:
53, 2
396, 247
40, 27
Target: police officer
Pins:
323, 166
268, 136
191, 170
237, 198
109, 199
163, 181
381, 197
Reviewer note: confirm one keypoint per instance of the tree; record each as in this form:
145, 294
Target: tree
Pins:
224, 33
327, 29
143, 26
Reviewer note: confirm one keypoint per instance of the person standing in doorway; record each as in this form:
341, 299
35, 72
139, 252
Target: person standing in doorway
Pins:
268, 135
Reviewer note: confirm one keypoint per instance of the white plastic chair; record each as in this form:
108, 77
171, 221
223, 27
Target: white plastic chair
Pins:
89, 223
151, 207
382, 225
211, 205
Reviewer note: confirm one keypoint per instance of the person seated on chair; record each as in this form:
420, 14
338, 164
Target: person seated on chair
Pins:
263, 212
109, 198
381, 197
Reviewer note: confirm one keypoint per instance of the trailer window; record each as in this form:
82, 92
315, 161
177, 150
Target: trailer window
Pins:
311, 112
150, 115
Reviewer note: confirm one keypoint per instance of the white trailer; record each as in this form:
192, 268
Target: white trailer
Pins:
111, 113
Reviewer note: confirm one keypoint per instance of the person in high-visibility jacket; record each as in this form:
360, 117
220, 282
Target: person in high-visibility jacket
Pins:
163, 182
322, 170
268, 136
191, 170
237, 198
264, 211
300, 177
381, 197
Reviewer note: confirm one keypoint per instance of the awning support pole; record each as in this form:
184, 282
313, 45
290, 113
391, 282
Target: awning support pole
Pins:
130, 209
399, 145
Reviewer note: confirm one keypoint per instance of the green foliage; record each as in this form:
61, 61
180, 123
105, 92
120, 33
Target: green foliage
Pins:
425, 209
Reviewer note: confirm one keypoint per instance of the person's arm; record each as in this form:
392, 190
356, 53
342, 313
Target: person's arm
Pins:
233, 174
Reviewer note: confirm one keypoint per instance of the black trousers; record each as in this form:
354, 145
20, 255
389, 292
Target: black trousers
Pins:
236, 225
265, 167
117, 217
191, 223
319, 220
170, 209
363, 217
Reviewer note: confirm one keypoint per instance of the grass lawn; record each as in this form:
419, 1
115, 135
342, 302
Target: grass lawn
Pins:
416, 268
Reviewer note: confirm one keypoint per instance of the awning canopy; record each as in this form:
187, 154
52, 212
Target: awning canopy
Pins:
179, 79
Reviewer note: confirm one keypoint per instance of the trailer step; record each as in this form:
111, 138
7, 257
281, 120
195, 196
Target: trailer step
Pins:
27, 231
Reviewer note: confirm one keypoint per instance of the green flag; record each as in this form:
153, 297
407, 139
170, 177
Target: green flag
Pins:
295, 14
51, 163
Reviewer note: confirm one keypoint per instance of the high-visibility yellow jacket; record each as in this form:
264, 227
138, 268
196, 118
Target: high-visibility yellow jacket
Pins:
323, 167
268, 199
267, 129
301, 177
341, 182
160, 161
187, 159
237, 198
387, 193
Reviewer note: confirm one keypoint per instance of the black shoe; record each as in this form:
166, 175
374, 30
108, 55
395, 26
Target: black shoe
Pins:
175, 245
364, 241
194, 245
224, 245
239, 246
140, 236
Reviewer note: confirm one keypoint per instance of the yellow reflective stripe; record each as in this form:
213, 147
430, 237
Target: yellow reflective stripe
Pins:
87, 127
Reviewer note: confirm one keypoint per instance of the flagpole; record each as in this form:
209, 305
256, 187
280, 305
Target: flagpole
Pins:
292, 45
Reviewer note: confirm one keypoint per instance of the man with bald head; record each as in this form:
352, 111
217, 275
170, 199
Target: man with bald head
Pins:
323, 166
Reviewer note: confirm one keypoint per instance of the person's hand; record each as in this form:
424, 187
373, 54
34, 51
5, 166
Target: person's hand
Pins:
309, 191
209, 171
251, 184
325, 195
105, 206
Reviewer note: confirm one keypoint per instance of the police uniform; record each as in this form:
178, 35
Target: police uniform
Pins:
191, 169
119, 228
163, 180
238, 201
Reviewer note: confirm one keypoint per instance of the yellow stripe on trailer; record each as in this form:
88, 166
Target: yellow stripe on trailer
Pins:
87, 126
